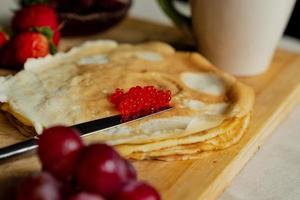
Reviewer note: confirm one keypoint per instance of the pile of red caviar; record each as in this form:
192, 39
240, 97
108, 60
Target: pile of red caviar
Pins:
140, 101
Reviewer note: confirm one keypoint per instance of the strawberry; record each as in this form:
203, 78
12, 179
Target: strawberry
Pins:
6, 50
56, 38
3, 38
36, 15
7, 59
30, 45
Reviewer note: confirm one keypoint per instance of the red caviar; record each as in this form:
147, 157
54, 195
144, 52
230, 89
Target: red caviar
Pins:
139, 101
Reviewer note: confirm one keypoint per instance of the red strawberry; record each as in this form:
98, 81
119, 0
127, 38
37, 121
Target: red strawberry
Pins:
36, 15
3, 38
30, 45
56, 38
7, 57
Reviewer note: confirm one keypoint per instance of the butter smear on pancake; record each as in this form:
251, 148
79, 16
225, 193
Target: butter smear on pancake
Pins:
98, 59
150, 56
204, 82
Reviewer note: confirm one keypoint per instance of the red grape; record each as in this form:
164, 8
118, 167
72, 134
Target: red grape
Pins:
39, 187
101, 170
58, 148
135, 190
86, 196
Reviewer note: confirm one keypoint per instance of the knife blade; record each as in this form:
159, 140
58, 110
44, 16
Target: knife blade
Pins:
85, 129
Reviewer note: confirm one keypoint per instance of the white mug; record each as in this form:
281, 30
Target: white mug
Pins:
238, 36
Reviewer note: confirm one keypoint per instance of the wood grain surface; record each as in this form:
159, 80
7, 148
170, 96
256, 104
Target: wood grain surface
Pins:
277, 91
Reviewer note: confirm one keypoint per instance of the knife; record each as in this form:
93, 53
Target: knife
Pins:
84, 129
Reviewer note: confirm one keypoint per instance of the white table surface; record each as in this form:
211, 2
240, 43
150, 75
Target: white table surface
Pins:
274, 172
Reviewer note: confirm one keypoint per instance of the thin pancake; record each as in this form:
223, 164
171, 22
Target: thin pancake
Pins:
194, 150
73, 87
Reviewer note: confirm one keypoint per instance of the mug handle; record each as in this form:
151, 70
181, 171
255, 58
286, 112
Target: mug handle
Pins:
179, 19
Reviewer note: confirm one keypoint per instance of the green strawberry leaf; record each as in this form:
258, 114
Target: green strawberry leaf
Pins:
53, 49
7, 32
46, 31
30, 2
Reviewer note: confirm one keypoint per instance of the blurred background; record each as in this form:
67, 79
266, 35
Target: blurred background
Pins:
149, 9
293, 28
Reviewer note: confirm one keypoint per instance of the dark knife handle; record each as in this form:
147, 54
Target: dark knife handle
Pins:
17, 149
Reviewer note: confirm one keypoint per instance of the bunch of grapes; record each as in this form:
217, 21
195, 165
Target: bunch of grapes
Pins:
73, 171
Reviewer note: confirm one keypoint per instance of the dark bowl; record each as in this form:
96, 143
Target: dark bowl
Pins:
74, 24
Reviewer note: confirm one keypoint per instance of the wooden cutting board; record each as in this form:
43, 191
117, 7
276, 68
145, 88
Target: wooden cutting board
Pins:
277, 91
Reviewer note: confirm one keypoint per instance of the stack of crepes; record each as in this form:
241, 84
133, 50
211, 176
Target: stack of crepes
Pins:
211, 109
